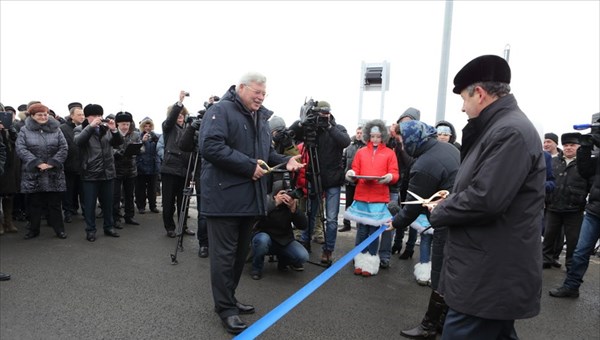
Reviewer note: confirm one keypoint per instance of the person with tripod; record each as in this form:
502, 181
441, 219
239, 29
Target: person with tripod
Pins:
174, 167
236, 147
325, 141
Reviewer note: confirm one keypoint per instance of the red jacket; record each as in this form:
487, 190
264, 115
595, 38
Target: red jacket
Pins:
374, 162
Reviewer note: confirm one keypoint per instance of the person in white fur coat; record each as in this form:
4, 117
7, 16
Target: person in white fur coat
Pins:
369, 208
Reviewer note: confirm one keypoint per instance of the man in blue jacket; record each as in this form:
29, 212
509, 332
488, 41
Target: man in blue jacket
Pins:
235, 143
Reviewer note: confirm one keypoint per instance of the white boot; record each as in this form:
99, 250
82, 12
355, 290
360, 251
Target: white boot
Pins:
360, 261
372, 265
423, 273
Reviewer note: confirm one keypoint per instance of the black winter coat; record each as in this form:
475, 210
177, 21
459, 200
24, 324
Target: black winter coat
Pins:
126, 166
231, 143
10, 181
175, 161
96, 151
38, 144
278, 223
571, 190
73, 163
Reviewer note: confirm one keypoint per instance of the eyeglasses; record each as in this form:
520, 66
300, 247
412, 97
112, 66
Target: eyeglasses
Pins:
257, 92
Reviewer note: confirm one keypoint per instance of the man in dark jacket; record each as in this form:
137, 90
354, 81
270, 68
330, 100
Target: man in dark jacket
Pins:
73, 196
356, 143
492, 271
125, 168
331, 140
174, 169
589, 168
235, 143
564, 205
148, 167
96, 140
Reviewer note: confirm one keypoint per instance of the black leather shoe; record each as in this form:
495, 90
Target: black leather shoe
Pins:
118, 224
546, 265
68, 219
171, 233
111, 233
234, 325
203, 252
256, 275
189, 232
131, 221
556, 264
407, 254
563, 291
344, 228
31, 235
4, 277
154, 210
90, 237
244, 309
62, 235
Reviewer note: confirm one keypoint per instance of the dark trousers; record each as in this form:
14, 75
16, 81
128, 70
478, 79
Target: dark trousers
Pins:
463, 326
570, 222
103, 192
72, 198
45, 203
202, 228
172, 191
229, 239
145, 188
127, 185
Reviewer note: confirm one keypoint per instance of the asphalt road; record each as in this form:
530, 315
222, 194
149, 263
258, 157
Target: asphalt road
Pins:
127, 288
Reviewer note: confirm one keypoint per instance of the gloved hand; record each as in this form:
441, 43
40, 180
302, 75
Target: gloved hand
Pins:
349, 175
386, 179
195, 124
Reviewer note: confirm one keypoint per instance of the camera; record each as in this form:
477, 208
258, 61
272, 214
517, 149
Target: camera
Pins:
187, 94
295, 193
153, 137
310, 115
592, 138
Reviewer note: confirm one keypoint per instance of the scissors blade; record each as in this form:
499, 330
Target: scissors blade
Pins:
419, 198
278, 166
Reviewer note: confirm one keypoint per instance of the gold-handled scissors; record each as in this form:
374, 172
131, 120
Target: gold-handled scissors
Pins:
268, 168
435, 197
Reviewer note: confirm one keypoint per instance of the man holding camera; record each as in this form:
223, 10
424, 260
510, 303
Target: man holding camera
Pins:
330, 140
235, 143
588, 167
148, 166
96, 139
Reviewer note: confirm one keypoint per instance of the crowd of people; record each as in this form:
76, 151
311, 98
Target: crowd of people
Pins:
266, 189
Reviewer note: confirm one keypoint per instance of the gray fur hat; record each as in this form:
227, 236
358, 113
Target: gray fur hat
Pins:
378, 124
411, 112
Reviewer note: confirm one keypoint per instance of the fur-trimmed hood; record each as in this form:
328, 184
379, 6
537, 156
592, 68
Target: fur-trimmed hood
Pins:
51, 126
367, 130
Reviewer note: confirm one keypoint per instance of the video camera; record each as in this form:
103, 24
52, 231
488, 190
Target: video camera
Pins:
592, 138
153, 137
201, 113
295, 193
310, 115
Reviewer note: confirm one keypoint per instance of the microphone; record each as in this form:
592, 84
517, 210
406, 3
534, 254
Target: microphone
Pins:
585, 126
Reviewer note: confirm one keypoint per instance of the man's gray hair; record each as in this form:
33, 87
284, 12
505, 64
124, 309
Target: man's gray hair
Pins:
494, 88
253, 77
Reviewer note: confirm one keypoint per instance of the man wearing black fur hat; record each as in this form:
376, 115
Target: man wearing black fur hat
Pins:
96, 140
565, 205
125, 168
492, 271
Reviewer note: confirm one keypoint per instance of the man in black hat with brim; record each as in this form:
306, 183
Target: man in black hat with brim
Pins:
492, 271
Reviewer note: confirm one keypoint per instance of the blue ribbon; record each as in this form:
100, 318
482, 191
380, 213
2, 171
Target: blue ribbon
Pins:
270, 318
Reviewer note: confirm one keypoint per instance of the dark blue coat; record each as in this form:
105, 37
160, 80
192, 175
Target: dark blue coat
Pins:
230, 145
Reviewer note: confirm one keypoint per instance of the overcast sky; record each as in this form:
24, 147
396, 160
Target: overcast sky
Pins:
137, 55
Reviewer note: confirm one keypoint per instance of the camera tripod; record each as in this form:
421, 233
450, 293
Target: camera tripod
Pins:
313, 175
188, 192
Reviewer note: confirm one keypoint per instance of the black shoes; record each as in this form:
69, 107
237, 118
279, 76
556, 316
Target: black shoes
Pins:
62, 235
384, 264
111, 233
68, 219
90, 237
203, 252
244, 309
31, 235
563, 291
171, 233
407, 254
255, 275
118, 224
396, 248
189, 232
4, 277
154, 210
420, 332
344, 228
141, 211
131, 221
233, 324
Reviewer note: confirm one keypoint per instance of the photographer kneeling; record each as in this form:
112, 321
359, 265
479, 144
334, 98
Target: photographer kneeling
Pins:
274, 233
